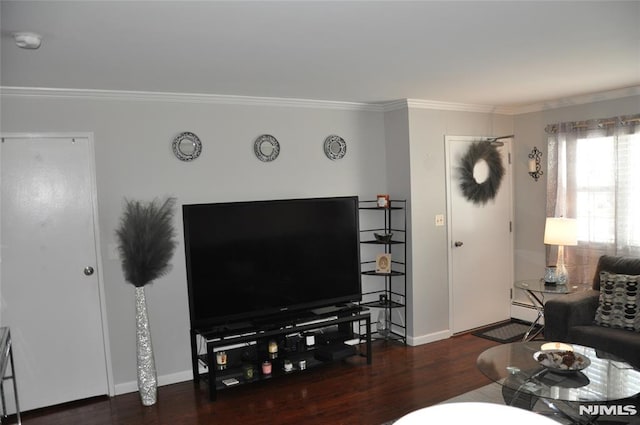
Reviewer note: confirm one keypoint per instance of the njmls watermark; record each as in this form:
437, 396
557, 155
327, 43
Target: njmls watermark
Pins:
611, 410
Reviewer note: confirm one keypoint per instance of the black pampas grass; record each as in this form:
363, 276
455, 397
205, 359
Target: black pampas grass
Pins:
146, 240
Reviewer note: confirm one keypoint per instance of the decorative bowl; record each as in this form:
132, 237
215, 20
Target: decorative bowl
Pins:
386, 237
562, 361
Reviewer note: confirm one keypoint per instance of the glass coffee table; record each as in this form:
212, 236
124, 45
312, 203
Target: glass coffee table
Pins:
574, 396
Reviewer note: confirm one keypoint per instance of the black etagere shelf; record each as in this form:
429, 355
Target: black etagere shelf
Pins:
385, 293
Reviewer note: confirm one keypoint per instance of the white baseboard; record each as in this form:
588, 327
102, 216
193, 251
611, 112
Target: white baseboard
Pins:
173, 378
425, 339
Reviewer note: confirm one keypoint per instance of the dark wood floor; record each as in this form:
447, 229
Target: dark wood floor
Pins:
401, 379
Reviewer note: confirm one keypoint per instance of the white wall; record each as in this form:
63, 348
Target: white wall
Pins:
423, 177
134, 160
530, 196
429, 316
400, 152
396, 125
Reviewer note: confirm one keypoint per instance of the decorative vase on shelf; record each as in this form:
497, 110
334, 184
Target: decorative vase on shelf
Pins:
382, 324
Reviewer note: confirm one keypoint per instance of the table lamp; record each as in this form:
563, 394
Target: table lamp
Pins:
562, 232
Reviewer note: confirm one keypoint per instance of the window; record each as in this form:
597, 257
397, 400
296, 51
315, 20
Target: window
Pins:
595, 190
594, 176
629, 187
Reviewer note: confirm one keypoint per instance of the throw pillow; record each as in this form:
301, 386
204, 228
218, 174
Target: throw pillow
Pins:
619, 305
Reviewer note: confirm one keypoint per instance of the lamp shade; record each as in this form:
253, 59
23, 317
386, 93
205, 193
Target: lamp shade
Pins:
561, 231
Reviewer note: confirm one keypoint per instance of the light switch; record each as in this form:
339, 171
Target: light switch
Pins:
440, 220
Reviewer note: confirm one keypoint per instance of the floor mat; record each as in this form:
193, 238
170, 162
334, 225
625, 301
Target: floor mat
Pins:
505, 332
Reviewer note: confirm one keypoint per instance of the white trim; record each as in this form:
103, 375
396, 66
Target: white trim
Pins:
124, 95
214, 99
395, 105
172, 378
459, 107
99, 264
432, 337
577, 100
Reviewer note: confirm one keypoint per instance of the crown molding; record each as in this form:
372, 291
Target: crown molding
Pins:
214, 99
459, 107
445, 106
577, 100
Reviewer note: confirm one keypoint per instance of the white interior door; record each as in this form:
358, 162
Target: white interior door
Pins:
50, 302
480, 250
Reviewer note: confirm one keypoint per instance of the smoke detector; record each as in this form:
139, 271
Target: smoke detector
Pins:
27, 40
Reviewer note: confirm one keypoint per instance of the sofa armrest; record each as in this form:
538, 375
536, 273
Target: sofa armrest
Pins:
577, 308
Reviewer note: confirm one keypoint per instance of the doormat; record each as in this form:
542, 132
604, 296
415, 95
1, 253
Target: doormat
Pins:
506, 332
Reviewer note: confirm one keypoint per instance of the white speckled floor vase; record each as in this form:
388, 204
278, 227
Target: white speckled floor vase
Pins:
147, 378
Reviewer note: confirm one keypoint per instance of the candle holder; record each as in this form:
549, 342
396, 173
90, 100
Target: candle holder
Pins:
273, 349
221, 360
266, 367
535, 170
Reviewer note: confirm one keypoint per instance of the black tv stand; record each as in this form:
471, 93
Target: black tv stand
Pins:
282, 319
246, 345
334, 309
230, 327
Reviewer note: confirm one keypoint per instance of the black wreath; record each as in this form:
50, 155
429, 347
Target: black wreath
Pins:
480, 193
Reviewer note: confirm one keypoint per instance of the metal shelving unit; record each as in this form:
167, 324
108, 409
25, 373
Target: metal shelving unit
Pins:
246, 344
385, 292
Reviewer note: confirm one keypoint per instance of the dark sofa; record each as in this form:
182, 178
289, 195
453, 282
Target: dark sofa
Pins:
570, 318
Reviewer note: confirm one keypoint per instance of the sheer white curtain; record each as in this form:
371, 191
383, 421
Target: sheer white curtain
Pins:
594, 176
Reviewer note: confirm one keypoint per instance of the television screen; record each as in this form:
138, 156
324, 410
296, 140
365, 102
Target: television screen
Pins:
254, 259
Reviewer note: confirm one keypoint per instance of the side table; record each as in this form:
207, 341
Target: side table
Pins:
536, 290
6, 358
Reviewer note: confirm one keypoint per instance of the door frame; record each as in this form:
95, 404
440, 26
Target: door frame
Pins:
449, 183
96, 230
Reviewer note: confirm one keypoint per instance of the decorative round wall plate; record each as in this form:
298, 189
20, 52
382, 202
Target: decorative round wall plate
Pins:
266, 148
186, 146
335, 147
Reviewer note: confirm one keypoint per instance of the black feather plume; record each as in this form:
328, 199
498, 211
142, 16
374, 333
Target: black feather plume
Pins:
146, 240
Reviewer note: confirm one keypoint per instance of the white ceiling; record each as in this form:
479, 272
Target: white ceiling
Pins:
504, 53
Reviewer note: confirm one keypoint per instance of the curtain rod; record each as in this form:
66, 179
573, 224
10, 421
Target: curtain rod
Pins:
595, 123
612, 122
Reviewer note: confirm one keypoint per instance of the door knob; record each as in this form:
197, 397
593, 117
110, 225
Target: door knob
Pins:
88, 271
457, 243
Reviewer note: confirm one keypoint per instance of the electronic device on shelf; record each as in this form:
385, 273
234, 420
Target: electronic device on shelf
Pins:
247, 261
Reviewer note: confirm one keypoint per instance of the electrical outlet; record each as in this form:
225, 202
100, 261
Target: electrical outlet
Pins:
440, 220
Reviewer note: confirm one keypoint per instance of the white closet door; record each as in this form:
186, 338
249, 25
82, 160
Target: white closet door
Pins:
50, 288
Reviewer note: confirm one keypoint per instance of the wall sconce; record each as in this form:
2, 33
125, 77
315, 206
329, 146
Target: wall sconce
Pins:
535, 170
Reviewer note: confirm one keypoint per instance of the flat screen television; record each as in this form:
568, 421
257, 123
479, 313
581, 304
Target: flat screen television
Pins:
250, 260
